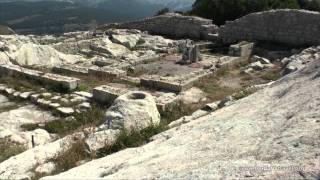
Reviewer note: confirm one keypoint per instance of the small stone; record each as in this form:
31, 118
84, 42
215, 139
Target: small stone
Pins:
258, 66
54, 105
79, 99
248, 70
43, 102
46, 95
46, 168
64, 100
2, 87
56, 98
212, 106
9, 91
84, 106
25, 95
16, 94
84, 94
34, 97
65, 110
226, 101
260, 59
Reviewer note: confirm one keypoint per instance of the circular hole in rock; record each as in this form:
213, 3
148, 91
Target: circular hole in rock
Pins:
137, 96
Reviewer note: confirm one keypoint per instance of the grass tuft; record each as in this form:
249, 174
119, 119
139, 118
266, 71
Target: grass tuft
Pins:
8, 149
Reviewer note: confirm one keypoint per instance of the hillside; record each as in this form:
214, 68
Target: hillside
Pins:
47, 17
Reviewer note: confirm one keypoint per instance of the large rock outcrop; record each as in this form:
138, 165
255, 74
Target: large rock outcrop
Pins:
293, 27
132, 111
272, 134
173, 25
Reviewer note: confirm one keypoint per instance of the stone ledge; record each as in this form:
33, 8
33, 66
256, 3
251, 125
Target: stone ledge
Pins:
64, 82
107, 72
71, 69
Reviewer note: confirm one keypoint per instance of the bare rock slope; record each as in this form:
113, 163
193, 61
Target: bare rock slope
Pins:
273, 133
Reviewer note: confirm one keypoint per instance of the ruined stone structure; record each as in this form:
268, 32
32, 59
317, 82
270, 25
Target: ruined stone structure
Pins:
293, 27
174, 25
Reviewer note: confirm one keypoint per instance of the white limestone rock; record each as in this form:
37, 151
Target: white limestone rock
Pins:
47, 168
25, 95
25, 138
12, 120
33, 54
101, 139
129, 40
258, 66
256, 58
66, 110
24, 164
269, 129
192, 96
134, 110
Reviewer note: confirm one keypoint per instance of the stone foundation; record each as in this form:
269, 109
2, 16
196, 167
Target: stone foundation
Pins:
174, 84
62, 82
71, 70
106, 94
107, 72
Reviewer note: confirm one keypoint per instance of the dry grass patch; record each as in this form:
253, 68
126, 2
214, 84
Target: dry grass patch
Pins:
9, 149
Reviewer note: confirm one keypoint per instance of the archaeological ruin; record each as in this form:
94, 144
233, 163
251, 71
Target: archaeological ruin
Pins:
186, 84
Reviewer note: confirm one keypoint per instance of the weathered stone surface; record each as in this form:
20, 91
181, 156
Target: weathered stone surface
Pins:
65, 111
258, 66
107, 94
110, 48
101, 139
84, 94
256, 58
64, 82
25, 138
132, 111
70, 69
46, 168
33, 54
192, 96
293, 27
298, 61
25, 95
174, 25
24, 164
267, 129
128, 41
106, 72
13, 119
242, 49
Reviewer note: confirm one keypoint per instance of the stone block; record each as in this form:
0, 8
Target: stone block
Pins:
106, 94
107, 72
71, 70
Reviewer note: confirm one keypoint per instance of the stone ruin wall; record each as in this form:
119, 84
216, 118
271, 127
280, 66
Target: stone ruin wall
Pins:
172, 25
291, 27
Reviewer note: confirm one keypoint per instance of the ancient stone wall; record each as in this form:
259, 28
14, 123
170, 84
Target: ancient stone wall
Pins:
292, 27
173, 25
